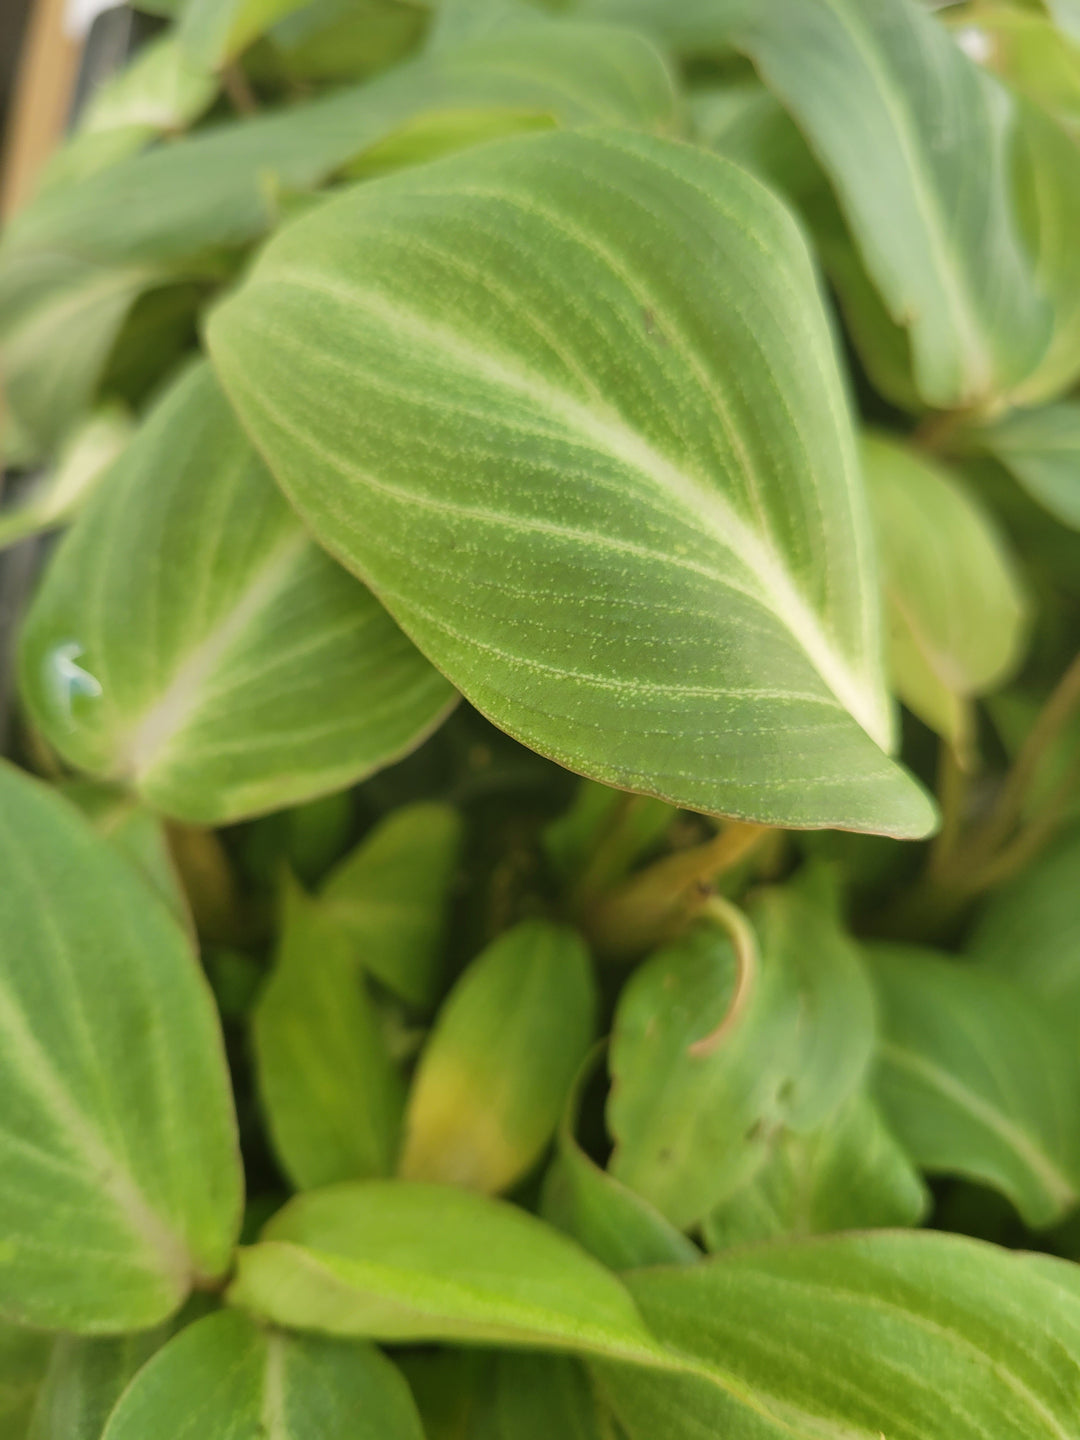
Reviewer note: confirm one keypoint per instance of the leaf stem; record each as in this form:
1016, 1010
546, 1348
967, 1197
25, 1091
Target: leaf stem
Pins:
748, 963
655, 904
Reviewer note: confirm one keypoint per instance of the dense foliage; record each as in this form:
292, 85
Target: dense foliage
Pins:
541, 865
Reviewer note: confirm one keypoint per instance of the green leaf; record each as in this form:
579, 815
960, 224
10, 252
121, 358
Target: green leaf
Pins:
1029, 931
1047, 168
850, 1174
928, 1336
957, 614
85, 1379
212, 32
330, 1091
345, 39
390, 896
498, 1066
594, 844
83, 461
1041, 450
24, 1358
73, 263
122, 1183
190, 641
138, 834
692, 1118
225, 1379
397, 1261
1025, 49
977, 1078
609, 1220
1066, 16
915, 139
438, 390
541, 1396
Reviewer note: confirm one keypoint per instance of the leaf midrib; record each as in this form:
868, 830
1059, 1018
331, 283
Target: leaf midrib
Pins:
612, 435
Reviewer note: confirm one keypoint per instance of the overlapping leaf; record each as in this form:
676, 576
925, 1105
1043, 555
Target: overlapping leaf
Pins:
956, 611
399, 1261
73, 264
497, 1068
916, 141
979, 1078
452, 377
929, 1336
190, 641
85, 1379
331, 1092
122, 1183
390, 897
223, 1378
1041, 450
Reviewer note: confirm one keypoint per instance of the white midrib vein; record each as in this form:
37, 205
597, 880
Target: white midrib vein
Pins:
702, 502
273, 1417
1057, 1184
148, 740
169, 1251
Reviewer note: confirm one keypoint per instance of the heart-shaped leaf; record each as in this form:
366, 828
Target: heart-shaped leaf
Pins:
497, 1068
463, 369
330, 1090
915, 138
399, 1261
978, 1078
190, 641
929, 1336
122, 1183
224, 1378
956, 610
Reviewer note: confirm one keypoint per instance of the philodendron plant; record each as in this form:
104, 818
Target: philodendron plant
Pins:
540, 870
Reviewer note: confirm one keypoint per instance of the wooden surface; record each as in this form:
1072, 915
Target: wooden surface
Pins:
41, 101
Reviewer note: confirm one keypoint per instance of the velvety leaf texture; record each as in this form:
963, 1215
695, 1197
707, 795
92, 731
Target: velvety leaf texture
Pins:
192, 642
122, 1182
914, 1337
453, 372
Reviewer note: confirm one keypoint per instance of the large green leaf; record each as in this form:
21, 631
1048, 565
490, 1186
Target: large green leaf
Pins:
915, 139
122, 1183
692, 1119
979, 1078
1041, 450
499, 1063
956, 610
913, 1337
224, 1378
537, 1397
471, 361
331, 1092
850, 1174
24, 1359
390, 897
192, 642
398, 1261
1030, 930
73, 263
85, 1379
